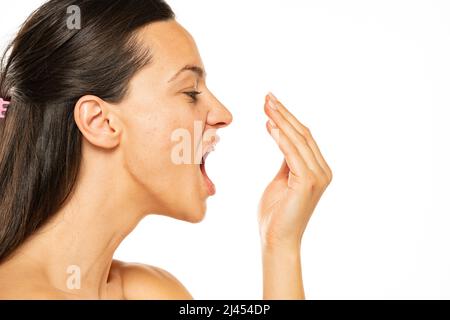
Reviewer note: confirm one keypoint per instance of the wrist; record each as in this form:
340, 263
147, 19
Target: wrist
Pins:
282, 244
281, 247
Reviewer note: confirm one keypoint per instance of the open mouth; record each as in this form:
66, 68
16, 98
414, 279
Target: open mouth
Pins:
209, 184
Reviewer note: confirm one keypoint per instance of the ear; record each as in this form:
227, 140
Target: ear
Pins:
97, 122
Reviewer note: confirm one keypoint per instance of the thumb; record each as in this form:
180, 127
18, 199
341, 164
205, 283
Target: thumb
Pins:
283, 173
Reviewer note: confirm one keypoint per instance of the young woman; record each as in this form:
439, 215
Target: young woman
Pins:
86, 153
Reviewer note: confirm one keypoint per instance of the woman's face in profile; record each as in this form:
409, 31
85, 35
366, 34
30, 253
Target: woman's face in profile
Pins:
170, 116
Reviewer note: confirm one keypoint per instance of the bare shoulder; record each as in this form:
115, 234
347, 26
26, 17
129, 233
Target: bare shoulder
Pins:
144, 282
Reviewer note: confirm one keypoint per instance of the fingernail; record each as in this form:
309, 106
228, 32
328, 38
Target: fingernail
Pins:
272, 124
272, 96
272, 101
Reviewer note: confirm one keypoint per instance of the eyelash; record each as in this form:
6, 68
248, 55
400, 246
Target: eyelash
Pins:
193, 95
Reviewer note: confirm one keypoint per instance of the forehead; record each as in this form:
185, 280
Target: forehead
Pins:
171, 46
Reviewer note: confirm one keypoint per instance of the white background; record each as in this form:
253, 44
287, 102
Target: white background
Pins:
372, 81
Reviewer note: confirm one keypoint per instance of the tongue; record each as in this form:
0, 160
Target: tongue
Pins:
209, 183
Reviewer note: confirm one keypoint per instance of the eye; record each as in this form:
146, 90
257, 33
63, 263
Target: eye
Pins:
193, 95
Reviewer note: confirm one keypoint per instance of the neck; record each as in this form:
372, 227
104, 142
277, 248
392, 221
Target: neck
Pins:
84, 234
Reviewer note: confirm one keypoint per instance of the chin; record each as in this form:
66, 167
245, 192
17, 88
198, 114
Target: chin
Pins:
189, 212
193, 213
196, 216
195, 219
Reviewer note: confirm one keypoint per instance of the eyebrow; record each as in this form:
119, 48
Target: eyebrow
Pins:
192, 68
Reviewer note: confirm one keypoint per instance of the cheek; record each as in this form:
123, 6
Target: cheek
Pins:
144, 146
149, 147
150, 150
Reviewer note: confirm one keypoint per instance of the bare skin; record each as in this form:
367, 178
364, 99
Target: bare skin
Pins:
288, 202
125, 144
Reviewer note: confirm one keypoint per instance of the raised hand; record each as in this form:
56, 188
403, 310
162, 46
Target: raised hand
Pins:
289, 200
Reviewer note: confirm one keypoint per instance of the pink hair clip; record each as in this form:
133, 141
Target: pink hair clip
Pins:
3, 109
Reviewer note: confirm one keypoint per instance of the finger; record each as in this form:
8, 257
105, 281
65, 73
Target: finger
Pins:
306, 133
296, 164
284, 170
297, 139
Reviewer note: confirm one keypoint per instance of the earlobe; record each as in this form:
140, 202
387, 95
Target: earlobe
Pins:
97, 124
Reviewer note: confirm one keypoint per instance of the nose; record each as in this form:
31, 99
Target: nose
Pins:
218, 116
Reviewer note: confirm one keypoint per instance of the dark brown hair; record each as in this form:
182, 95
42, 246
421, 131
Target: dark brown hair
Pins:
44, 71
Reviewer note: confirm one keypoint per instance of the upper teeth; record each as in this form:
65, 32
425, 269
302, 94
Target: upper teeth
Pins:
209, 149
207, 153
